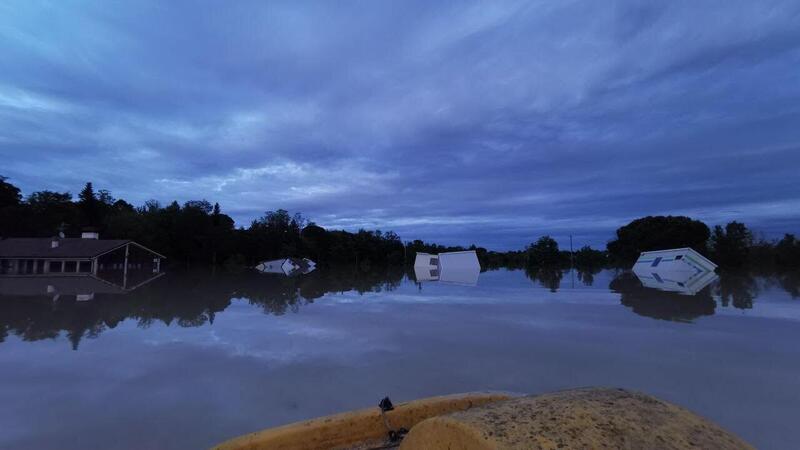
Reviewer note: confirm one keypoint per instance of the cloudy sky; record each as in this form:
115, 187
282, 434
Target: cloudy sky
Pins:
459, 122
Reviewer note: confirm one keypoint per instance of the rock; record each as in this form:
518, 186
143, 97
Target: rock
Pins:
581, 418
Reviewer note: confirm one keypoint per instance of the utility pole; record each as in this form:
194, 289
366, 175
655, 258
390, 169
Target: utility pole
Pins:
572, 261
571, 253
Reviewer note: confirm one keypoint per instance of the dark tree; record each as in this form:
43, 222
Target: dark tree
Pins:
13, 216
50, 212
730, 246
544, 252
10, 195
89, 206
787, 251
657, 233
588, 257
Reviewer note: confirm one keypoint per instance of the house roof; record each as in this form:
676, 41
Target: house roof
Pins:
67, 247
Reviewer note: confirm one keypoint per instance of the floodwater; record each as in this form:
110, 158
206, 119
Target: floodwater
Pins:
191, 359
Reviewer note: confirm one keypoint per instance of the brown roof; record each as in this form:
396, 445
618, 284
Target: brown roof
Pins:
67, 248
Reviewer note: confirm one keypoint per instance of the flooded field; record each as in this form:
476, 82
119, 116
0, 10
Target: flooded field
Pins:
190, 359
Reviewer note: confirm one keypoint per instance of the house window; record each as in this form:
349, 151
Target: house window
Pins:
434, 261
56, 266
71, 266
85, 266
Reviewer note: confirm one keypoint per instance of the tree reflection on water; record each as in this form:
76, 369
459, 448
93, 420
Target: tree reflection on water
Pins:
663, 305
548, 277
738, 289
185, 299
193, 299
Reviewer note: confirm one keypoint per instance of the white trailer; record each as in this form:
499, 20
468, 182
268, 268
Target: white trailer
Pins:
680, 270
450, 267
677, 259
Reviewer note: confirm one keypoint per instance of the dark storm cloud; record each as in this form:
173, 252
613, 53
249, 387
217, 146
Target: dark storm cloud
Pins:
490, 123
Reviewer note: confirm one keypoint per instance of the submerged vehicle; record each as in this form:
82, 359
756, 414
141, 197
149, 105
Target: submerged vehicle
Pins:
451, 267
579, 418
287, 266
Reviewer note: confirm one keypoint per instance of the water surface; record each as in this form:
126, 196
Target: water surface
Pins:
191, 359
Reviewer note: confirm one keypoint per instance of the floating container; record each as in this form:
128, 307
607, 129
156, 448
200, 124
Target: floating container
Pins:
681, 270
677, 259
449, 267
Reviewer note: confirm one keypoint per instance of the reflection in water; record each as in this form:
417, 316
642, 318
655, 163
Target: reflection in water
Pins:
738, 289
35, 308
659, 304
61, 287
669, 300
548, 277
681, 282
262, 365
586, 274
463, 277
790, 282
29, 311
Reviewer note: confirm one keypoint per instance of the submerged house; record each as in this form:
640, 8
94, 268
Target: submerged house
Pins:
119, 261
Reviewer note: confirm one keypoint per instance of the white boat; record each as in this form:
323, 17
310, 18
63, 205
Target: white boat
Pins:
680, 270
450, 267
287, 266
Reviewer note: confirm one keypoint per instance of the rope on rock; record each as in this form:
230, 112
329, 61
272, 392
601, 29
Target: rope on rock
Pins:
394, 436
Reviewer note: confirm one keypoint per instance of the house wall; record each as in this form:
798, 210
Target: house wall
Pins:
426, 260
141, 265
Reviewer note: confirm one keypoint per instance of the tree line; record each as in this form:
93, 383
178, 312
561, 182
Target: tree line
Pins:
731, 246
198, 232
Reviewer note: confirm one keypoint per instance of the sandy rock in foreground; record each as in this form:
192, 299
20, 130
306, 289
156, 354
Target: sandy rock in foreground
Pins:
592, 418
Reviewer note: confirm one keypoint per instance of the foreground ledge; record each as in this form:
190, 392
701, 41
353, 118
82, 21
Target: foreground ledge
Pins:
361, 429
581, 418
